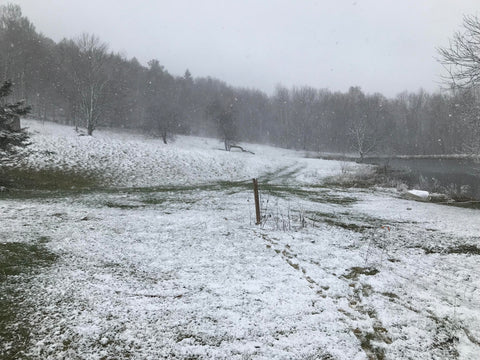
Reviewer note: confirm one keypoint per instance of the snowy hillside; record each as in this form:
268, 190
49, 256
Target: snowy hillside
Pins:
126, 160
142, 270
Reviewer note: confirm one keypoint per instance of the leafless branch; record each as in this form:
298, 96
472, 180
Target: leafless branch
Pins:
461, 59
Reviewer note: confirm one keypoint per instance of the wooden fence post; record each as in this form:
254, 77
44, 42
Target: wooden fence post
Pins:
257, 200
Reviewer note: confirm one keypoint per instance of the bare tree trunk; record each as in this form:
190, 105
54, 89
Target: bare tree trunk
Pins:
90, 127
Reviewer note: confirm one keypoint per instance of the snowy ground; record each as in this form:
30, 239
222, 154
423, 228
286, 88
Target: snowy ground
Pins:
166, 262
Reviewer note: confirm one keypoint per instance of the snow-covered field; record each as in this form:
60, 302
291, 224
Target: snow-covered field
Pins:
126, 160
166, 261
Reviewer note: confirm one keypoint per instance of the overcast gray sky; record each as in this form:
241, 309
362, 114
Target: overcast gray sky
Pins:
383, 46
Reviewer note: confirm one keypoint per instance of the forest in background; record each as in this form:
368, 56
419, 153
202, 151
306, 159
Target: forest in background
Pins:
82, 83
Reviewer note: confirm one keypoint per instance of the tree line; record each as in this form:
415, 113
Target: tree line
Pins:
82, 83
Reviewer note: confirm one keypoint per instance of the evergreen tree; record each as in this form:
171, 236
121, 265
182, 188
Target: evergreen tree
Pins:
12, 137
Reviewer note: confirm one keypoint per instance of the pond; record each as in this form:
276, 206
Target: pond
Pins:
459, 177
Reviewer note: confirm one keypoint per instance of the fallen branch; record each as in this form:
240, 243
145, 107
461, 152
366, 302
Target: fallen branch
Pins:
241, 148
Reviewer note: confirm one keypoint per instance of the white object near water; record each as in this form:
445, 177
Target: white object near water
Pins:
418, 195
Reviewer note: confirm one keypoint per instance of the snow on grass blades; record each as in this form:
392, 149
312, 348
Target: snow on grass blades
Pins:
17, 262
164, 260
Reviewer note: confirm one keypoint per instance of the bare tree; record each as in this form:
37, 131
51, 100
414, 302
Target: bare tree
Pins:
304, 103
222, 111
466, 110
367, 113
461, 58
162, 101
90, 78
19, 49
282, 115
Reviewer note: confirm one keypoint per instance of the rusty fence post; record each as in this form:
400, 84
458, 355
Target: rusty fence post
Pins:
257, 200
